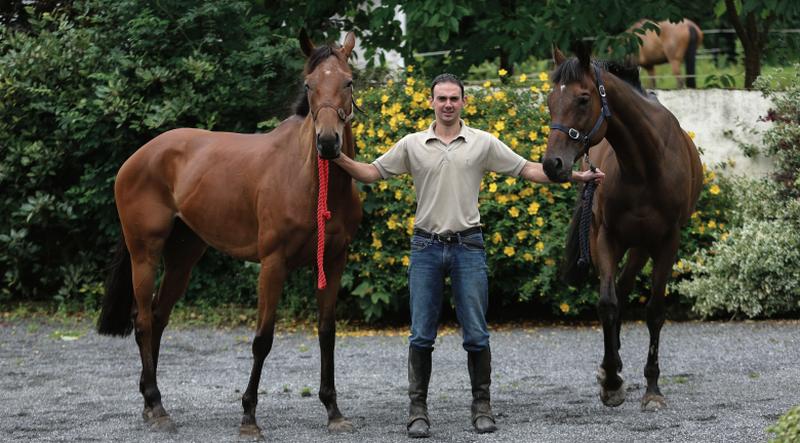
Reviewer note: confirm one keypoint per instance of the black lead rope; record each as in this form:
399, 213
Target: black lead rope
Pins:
585, 223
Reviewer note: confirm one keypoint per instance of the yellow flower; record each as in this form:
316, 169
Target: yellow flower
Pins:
361, 144
564, 308
522, 235
383, 185
535, 89
533, 208
376, 242
409, 90
523, 78
549, 262
406, 261
566, 185
502, 72
471, 109
724, 236
514, 143
502, 199
487, 84
493, 187
539, 246
377, 256
527, 256
545, 87
398, 195
499, 95
545, 130
509, 251
381, 133
511, 181
390, 83
543, 76
410, 68
359, 102
512, 112
539, 221
384, 98
714, 189
391, 224
514, 212
410, 81
497, 238
500, 125
532, 136
495, 134
418, 97
691, 134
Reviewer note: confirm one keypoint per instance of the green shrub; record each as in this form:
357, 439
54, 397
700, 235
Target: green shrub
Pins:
787, 428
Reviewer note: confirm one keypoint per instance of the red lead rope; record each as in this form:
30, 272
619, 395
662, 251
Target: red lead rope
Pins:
322, 215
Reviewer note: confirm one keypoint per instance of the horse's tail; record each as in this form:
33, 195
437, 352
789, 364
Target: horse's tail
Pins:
115, 316
573, 273
689, 58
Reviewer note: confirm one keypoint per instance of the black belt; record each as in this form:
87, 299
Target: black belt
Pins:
449, 237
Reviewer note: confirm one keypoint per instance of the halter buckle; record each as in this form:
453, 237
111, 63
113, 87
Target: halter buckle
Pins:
602, 90
574, 134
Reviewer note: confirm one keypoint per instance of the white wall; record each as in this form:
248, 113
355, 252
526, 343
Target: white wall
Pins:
710, 113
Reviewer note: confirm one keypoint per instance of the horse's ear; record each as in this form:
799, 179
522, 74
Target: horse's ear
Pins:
558, 56
583, 50
349, 43
305, 43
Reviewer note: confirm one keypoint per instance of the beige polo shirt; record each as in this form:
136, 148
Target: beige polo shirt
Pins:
447, 178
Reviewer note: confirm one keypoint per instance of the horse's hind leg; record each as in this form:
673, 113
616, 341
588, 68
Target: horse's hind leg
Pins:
326, 302
270, 284
181, 252
663, 260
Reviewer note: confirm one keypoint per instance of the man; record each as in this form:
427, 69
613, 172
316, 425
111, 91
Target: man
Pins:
447, 163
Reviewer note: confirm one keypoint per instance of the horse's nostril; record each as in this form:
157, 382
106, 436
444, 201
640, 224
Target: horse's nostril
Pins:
559, 164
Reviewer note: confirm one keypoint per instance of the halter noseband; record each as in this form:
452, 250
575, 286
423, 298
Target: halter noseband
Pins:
605, 114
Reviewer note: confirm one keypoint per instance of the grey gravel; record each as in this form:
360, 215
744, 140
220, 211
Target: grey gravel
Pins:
724, 382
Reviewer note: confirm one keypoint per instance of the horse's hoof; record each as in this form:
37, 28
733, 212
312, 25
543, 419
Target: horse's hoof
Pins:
251, 432
612, 398
340, 425
163, 424
653, 402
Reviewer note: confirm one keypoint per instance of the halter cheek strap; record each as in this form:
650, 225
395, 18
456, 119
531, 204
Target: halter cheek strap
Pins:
605, 114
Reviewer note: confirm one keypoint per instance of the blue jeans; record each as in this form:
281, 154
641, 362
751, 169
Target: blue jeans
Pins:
465, 262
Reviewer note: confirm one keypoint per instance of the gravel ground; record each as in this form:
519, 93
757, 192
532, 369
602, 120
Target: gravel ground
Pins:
723, 382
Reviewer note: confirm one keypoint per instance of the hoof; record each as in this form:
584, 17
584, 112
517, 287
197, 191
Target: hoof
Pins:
250, 432
419, 428
158, 420
610, 398
340, 425
653, 402
484, 424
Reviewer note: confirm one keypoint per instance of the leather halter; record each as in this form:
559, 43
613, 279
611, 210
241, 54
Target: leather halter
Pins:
605, 114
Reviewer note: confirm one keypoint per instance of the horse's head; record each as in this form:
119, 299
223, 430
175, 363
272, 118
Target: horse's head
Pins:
329, 91
578, 112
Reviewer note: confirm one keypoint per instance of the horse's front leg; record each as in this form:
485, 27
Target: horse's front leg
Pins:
663, 259
270, 285
607, 255
326, 302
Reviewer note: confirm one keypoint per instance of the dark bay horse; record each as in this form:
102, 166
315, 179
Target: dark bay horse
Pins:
252, 196
653, 180
676, 43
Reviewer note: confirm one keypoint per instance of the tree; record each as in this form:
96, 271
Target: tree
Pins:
753, 20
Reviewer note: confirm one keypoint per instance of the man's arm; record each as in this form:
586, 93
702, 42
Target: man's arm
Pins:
535, 172
363, 172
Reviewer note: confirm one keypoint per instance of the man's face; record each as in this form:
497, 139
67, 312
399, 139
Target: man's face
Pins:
447, 102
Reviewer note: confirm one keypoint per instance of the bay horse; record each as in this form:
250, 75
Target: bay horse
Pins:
251, 196
652, 183
675, 43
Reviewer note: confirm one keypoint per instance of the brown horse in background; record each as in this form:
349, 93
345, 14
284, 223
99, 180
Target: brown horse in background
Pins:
251, 196
675, 43
653, 180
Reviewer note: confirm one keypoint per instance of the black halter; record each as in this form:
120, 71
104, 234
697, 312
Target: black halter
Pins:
575, 134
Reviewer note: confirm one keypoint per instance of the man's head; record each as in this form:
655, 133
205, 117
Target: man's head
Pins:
447, 98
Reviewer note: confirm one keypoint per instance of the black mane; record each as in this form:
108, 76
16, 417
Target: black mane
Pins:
572, 71
319, 55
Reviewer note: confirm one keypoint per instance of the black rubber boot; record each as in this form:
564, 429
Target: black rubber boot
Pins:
419, 374
480, 374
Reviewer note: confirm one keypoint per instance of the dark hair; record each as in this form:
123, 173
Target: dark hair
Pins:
572, 70
447, 78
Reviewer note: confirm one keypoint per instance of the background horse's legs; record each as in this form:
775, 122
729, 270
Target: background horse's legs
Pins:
270, 285
675, 64
607, 254
663, 260
326, 302
636, 261
181, 252
651, 71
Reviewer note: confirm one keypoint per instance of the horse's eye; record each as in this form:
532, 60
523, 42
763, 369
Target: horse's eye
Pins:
305, 87
349, 84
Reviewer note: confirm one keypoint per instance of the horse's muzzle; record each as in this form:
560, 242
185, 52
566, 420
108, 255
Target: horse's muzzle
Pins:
555, 169
329, 147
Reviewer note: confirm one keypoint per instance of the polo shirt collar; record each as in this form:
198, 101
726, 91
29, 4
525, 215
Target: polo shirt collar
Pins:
431, 135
